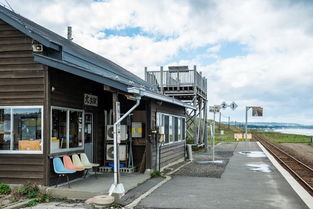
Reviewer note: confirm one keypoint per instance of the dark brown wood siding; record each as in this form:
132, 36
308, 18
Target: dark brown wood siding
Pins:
21, 84
21, 79
69, 92
169, 153
20, 169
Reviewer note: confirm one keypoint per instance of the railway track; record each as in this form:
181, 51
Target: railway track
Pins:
300, 171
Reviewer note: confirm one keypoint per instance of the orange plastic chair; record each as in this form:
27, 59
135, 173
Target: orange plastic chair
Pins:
68, 164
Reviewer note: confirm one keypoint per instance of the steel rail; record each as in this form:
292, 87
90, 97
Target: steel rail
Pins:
303, 166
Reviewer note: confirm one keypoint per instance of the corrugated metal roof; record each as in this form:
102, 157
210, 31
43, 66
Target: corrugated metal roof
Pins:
71, 52
82, 62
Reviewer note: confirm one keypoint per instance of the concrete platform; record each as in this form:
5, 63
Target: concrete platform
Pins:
91, 186
259, 185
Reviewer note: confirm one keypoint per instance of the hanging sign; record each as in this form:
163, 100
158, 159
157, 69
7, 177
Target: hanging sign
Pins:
257, 111
90, 100
224, 105
215, 108
233, 105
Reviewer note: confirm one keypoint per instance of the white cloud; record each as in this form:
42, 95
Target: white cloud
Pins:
277, 71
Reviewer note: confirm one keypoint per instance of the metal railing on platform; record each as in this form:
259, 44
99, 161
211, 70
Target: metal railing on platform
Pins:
177, 79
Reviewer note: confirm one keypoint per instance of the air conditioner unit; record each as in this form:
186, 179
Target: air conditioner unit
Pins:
110, 135
121, 152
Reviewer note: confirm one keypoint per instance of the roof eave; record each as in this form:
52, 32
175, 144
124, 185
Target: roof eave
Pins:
28, 32
76, 70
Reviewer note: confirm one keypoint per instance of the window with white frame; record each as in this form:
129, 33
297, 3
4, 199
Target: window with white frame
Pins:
21, 129
66, 130
174, 127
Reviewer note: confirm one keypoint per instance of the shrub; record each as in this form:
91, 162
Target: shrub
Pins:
44, 197
116, 205
31, 203
29, 190
156, 174
5, 189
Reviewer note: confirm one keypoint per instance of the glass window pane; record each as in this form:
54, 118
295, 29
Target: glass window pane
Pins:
88, 128
171, 129
76, 132
166, 125
179, 129
183, 128
5, 129
27, 129
176, 129
58, 137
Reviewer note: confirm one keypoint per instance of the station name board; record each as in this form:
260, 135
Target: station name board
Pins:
90, 100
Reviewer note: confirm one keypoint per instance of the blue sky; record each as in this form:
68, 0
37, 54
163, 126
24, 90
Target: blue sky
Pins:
252, 52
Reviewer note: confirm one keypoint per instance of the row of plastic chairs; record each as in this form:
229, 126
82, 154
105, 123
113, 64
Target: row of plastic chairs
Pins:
71, 165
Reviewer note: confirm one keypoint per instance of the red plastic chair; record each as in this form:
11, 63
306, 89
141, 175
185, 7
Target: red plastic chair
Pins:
68, 164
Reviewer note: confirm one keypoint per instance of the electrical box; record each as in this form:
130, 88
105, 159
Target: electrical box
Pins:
137, 130
161, 130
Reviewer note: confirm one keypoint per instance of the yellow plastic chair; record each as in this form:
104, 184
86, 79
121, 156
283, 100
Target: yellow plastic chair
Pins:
78, 164
85, 161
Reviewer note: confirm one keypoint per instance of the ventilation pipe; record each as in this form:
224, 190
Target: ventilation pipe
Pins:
69, 33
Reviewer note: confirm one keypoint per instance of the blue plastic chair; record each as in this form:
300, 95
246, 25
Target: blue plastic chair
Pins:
59, 169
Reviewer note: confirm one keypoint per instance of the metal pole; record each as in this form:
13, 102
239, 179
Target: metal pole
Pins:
213, 141
219, 124
246, 125
205, 133
161, 80
228, 122
116, 187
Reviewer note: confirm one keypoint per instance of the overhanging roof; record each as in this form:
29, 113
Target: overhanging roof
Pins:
79, 61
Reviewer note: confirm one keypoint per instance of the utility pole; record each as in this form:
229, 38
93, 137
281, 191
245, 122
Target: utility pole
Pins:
246, 125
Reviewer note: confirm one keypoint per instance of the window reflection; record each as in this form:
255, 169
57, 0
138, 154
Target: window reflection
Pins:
20, 129
58, 129
27, 129
76, 121
5, 129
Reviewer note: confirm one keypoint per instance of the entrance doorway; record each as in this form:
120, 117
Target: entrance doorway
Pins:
89, 135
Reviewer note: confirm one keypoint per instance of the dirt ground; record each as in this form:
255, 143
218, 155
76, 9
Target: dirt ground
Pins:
301, 151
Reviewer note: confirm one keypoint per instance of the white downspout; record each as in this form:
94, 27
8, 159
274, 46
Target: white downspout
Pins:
117, 187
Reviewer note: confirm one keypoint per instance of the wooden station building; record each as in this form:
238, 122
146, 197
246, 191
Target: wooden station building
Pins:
57, 98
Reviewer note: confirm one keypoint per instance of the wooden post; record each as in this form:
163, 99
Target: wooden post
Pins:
46, 137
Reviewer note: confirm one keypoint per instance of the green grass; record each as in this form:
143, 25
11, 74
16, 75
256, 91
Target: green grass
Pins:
283, 138
228, 135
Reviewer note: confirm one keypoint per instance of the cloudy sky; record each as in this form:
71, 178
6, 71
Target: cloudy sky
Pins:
256, 52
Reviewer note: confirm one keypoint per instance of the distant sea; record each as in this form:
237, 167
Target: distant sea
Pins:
300, 131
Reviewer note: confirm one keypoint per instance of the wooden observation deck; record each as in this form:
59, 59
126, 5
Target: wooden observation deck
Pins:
189, 86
